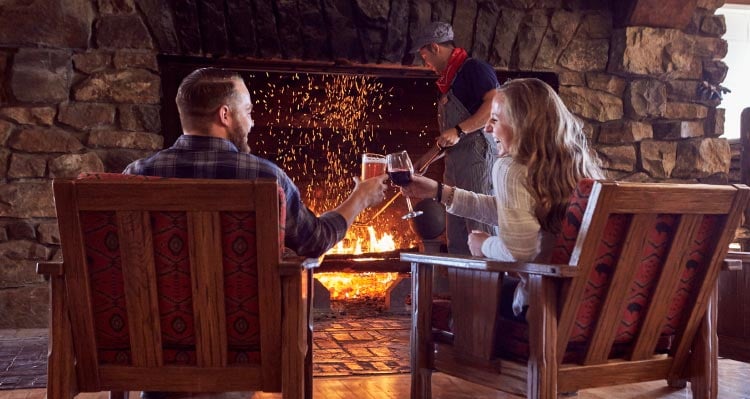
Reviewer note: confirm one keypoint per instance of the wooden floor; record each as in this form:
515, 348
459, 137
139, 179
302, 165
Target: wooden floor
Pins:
733, 384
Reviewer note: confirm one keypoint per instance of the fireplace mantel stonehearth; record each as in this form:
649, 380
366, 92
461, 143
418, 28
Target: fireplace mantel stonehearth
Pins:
81, 86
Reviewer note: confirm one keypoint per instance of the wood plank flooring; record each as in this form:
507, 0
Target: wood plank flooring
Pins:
733, 384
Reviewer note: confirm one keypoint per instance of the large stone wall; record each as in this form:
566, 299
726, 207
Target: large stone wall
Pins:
80, 87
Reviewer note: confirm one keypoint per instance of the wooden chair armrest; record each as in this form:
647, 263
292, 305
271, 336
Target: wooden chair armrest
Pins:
486, 264
734, 261
291, 264
50, 268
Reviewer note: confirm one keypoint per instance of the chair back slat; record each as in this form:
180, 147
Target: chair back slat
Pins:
141, 298
705, 290
582, 256
639, 250
268, 278
664, 288
603, 335
173, 196
77, 281
162, 277
670, 198
204, 235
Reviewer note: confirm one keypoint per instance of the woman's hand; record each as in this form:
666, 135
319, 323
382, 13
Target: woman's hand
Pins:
476, 239
420, 187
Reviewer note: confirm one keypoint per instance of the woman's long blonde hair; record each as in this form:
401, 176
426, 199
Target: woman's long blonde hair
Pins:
549, 140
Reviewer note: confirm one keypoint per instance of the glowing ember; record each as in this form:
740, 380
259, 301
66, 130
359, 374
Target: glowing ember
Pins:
321, 124
356, 285
329, 114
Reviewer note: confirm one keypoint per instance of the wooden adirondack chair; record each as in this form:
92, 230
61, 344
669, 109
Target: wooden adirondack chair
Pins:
629, 296
175, 285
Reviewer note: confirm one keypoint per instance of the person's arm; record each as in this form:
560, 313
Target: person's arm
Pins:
468, 204
365, 194
477, 120
475, 84
459, 202
518, 239
519, 228
311, 235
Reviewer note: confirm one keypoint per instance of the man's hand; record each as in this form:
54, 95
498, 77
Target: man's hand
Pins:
372, 190
476, 239
448, 137
366, 193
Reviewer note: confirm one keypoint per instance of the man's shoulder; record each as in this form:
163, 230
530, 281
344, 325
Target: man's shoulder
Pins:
139, 166
182, 163
256, 162
477, 66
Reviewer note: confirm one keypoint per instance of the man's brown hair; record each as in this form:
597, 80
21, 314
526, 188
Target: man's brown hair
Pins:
202, 92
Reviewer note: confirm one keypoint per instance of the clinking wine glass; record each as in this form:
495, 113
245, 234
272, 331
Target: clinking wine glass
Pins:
400, 170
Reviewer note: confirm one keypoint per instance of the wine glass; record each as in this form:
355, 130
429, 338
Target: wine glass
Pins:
400, 169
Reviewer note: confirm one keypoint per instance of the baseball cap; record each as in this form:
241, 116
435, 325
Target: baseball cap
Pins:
434, 32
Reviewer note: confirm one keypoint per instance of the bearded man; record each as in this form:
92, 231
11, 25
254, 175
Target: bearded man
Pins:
215, 107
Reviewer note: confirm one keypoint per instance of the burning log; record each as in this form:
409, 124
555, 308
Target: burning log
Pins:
374, 262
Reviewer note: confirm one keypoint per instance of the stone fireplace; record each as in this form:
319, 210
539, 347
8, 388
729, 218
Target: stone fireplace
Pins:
82, 85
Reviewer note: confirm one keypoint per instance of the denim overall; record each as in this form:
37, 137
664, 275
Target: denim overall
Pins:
468, 165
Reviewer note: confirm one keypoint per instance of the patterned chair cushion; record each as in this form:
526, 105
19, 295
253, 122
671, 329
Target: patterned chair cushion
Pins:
566, 238
172, 265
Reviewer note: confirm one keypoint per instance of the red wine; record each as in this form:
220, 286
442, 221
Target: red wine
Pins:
400, 177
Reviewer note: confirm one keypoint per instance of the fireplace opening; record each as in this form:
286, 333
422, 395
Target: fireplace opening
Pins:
315, 120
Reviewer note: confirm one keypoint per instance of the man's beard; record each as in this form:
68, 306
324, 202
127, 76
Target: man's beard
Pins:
239, 138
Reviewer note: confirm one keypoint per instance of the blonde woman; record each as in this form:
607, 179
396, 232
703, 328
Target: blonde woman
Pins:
542, 154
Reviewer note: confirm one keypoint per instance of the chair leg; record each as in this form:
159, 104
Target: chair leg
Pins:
294, 340
704, 360
542, 317
118, 394
677, 382
309, 355
61, 382
421, 331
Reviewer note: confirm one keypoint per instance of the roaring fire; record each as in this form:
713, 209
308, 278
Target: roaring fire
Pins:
324, 123
320, 125
343, 286
355, 244
356, 285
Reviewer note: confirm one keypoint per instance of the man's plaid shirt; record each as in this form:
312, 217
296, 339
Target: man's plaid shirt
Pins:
203, 157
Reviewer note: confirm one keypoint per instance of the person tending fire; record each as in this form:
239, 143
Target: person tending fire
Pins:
467, 86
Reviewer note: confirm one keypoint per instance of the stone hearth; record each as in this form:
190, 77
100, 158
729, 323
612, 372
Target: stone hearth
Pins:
81, 85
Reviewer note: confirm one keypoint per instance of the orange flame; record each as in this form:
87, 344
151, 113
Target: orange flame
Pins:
359, 285
356, 285
355, 244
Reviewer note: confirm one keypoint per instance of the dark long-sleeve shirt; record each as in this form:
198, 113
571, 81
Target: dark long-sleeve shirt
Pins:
202, 157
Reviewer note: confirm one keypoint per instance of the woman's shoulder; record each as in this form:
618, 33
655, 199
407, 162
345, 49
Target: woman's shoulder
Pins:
511, 179
510, 169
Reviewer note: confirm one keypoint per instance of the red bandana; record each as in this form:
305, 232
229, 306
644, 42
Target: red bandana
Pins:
457, 58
